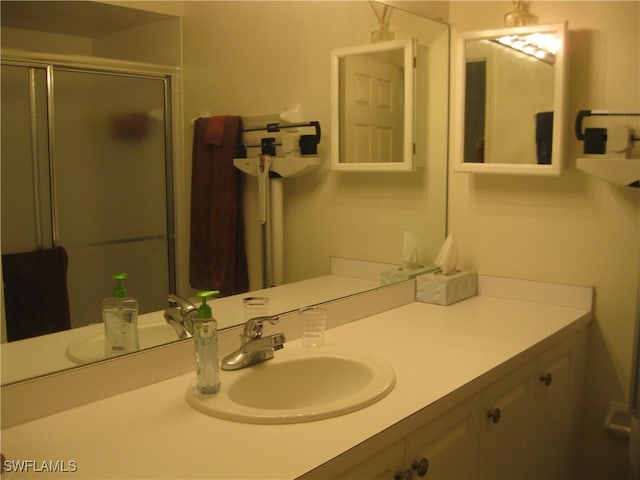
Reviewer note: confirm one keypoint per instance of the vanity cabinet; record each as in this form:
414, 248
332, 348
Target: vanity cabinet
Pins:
518, 426
446, 446
556, 393
384, 464
506, 417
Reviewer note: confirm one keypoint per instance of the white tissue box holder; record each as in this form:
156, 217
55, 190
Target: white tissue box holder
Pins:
444, 289
401, 273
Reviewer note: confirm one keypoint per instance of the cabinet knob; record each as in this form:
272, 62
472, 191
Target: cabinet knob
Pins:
494, 415
546, 378
406, 475
421, 466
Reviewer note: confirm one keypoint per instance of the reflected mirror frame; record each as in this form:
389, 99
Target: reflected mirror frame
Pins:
409, 55
559, 104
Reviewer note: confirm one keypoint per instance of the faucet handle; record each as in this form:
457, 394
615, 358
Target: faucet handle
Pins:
253, 327
185, 305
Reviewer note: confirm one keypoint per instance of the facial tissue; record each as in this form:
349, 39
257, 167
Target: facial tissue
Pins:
411, 267
447, 285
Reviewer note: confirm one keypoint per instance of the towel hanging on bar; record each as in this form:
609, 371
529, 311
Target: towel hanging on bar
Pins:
36, 298
217, 255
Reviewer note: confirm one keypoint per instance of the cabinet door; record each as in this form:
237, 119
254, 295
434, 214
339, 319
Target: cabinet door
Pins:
507, 426
554, 399
383, 465
449, 444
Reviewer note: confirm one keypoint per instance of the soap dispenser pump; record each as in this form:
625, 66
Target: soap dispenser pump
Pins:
205, 332
120, 317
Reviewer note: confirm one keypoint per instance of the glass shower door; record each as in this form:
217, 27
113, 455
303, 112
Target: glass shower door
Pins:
112, 187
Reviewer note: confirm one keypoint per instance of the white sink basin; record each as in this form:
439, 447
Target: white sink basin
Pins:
90, 347
297, 385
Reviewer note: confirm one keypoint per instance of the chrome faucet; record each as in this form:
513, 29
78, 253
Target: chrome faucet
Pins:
254, 348
180, 315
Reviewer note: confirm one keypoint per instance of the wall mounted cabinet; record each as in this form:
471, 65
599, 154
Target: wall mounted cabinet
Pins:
508, 100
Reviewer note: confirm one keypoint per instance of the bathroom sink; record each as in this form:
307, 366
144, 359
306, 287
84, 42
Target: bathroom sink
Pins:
90, 347
297, 385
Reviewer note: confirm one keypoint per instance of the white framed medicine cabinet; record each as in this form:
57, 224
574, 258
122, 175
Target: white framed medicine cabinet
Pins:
508, 102
377, 105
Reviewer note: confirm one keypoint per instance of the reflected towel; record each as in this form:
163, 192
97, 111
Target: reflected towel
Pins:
36, 300
217, 258
544, 136
130, 126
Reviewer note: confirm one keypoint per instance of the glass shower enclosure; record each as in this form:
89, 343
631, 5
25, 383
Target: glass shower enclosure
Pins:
87, 165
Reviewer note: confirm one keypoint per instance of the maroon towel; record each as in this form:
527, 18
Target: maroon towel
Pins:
36, 300
217, 258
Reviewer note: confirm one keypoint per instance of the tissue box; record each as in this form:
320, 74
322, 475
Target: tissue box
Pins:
399, 274
446, 289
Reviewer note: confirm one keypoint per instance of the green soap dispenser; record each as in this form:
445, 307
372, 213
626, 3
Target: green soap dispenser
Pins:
205, 332
120, 317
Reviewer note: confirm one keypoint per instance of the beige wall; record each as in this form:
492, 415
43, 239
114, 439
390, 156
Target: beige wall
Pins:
46, 42
167, 7
112, 32
575, 229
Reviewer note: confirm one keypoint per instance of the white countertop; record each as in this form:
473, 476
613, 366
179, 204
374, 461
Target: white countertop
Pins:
151, 432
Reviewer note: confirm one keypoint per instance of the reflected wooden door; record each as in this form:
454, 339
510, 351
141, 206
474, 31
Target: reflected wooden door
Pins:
373, 110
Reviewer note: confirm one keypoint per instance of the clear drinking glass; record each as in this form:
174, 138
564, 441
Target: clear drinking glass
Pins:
313, 321
255, 307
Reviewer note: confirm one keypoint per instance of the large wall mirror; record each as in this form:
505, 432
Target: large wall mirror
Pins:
508, 100
326, 216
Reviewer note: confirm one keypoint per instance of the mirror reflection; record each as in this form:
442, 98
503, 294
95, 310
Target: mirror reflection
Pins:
94, 197
511, 98
325, 217
373, 102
